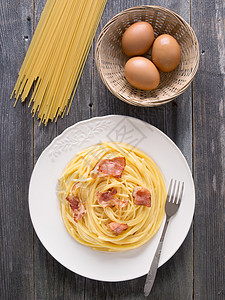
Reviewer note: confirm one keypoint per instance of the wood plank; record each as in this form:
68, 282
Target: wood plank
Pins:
209, 151
52, 280
47, 272
175, 119
16, 234
74, 284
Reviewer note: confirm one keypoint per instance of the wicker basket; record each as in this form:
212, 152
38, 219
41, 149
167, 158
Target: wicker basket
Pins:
110, 59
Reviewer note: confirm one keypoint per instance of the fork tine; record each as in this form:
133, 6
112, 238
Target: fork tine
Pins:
181, 194
177, 192
173, 192
169, 190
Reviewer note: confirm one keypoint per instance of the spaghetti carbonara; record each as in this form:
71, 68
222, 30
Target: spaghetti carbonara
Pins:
112, 197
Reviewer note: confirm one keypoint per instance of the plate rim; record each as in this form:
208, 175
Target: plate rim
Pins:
163, 261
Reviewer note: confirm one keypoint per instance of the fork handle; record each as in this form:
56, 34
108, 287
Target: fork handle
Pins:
154, 266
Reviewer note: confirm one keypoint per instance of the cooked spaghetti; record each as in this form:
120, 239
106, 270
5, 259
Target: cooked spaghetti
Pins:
112, 197
56, 56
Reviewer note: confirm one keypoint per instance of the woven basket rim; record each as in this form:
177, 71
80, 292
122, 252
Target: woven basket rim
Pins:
153, 101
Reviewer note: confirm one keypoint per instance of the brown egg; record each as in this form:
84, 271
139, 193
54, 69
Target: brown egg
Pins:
166, 53
142, 73
137, 39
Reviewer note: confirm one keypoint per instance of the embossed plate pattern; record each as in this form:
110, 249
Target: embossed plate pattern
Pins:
45, 210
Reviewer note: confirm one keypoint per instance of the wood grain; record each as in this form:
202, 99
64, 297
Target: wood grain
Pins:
209, 152
16, 233
194, 121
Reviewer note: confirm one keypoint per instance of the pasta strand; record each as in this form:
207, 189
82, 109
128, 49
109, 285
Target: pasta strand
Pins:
56, 56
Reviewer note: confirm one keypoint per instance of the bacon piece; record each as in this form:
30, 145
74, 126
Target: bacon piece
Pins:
113, 166
108, 199
142, 196
74, 202
117, 227
120, 204
77, 207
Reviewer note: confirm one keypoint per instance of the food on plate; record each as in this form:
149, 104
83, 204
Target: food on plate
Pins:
118, 209
142, 73
117, 228
113, 166
166, 53
77, 207
137, 39
141, 196
109, 199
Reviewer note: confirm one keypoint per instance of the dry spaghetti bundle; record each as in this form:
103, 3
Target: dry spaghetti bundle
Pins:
55, 59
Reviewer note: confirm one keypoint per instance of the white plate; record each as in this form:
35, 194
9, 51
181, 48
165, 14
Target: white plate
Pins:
45, 210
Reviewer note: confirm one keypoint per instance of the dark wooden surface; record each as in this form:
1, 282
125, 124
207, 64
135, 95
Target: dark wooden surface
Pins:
195, 122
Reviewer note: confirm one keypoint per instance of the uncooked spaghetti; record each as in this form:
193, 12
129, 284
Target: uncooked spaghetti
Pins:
56, 56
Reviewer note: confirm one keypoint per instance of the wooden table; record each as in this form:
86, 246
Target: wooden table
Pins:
194, 121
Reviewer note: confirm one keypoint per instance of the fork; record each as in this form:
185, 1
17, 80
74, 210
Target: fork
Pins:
173, 201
